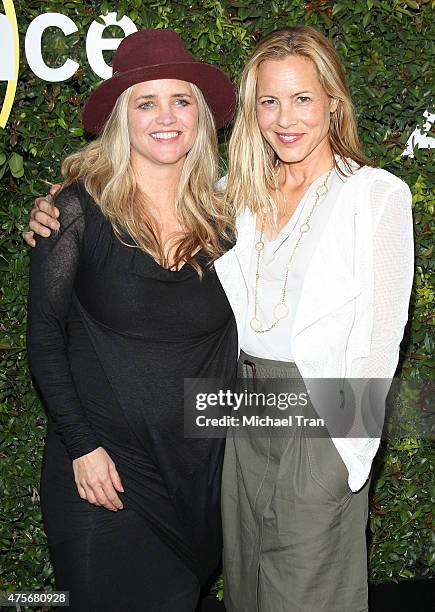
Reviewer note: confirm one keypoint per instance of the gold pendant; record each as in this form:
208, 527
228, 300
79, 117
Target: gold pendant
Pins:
322, 189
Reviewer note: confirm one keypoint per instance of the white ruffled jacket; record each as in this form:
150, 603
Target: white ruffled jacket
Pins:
354, 302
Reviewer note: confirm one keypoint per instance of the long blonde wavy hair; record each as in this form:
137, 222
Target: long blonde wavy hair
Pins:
104, 168
253, 168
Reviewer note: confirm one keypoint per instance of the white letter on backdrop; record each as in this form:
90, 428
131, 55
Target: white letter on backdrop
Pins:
96, 44
33, 47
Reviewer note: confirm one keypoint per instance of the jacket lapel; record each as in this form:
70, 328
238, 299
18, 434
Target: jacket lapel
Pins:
245, 241
327, 286
233, 269
328, 282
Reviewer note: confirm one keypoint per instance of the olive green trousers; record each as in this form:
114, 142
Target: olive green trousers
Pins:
294, 532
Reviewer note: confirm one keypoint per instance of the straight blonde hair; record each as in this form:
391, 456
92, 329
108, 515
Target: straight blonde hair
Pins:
105, 169
253, 169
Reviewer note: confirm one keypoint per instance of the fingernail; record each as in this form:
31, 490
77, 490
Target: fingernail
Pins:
45, 233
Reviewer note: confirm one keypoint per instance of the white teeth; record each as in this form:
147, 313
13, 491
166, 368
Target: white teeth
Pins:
164, 135
288, 138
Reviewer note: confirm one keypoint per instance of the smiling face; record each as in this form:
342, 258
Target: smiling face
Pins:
162, 122
293, 110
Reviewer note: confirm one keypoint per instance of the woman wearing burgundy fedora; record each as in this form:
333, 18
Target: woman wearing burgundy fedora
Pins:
319, 281
123, 305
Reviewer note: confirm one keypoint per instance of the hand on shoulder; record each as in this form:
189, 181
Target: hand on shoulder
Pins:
43, 217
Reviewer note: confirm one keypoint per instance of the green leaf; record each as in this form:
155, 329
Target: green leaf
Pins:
366, 19
75, 131
16, 165
61, 121
244, 12
342, 47
202, 42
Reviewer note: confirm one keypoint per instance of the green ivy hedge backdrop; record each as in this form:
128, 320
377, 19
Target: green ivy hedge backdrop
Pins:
387, 49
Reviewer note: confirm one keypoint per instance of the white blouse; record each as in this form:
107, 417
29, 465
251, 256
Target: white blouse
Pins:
276, 344
348, 317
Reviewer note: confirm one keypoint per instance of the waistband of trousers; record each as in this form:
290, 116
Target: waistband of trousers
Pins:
269, 365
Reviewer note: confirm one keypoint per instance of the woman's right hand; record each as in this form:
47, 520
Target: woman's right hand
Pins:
43, 217
97, 479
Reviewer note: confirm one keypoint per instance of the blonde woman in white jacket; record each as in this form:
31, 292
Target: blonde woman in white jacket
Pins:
319, 280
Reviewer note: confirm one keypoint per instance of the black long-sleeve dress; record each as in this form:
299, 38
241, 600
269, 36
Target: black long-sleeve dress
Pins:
111, 336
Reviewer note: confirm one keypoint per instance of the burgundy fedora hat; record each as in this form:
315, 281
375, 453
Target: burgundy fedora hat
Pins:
158, 54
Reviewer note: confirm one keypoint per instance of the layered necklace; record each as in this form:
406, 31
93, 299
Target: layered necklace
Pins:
281, 309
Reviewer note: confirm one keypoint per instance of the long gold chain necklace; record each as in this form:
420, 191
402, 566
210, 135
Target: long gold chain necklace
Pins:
281, 309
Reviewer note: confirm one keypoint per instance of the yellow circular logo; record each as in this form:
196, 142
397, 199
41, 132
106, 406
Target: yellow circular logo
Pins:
9, 61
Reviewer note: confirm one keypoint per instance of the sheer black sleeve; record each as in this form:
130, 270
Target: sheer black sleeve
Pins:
54, 264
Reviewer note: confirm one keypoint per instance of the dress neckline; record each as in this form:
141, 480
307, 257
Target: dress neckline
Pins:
169, 270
